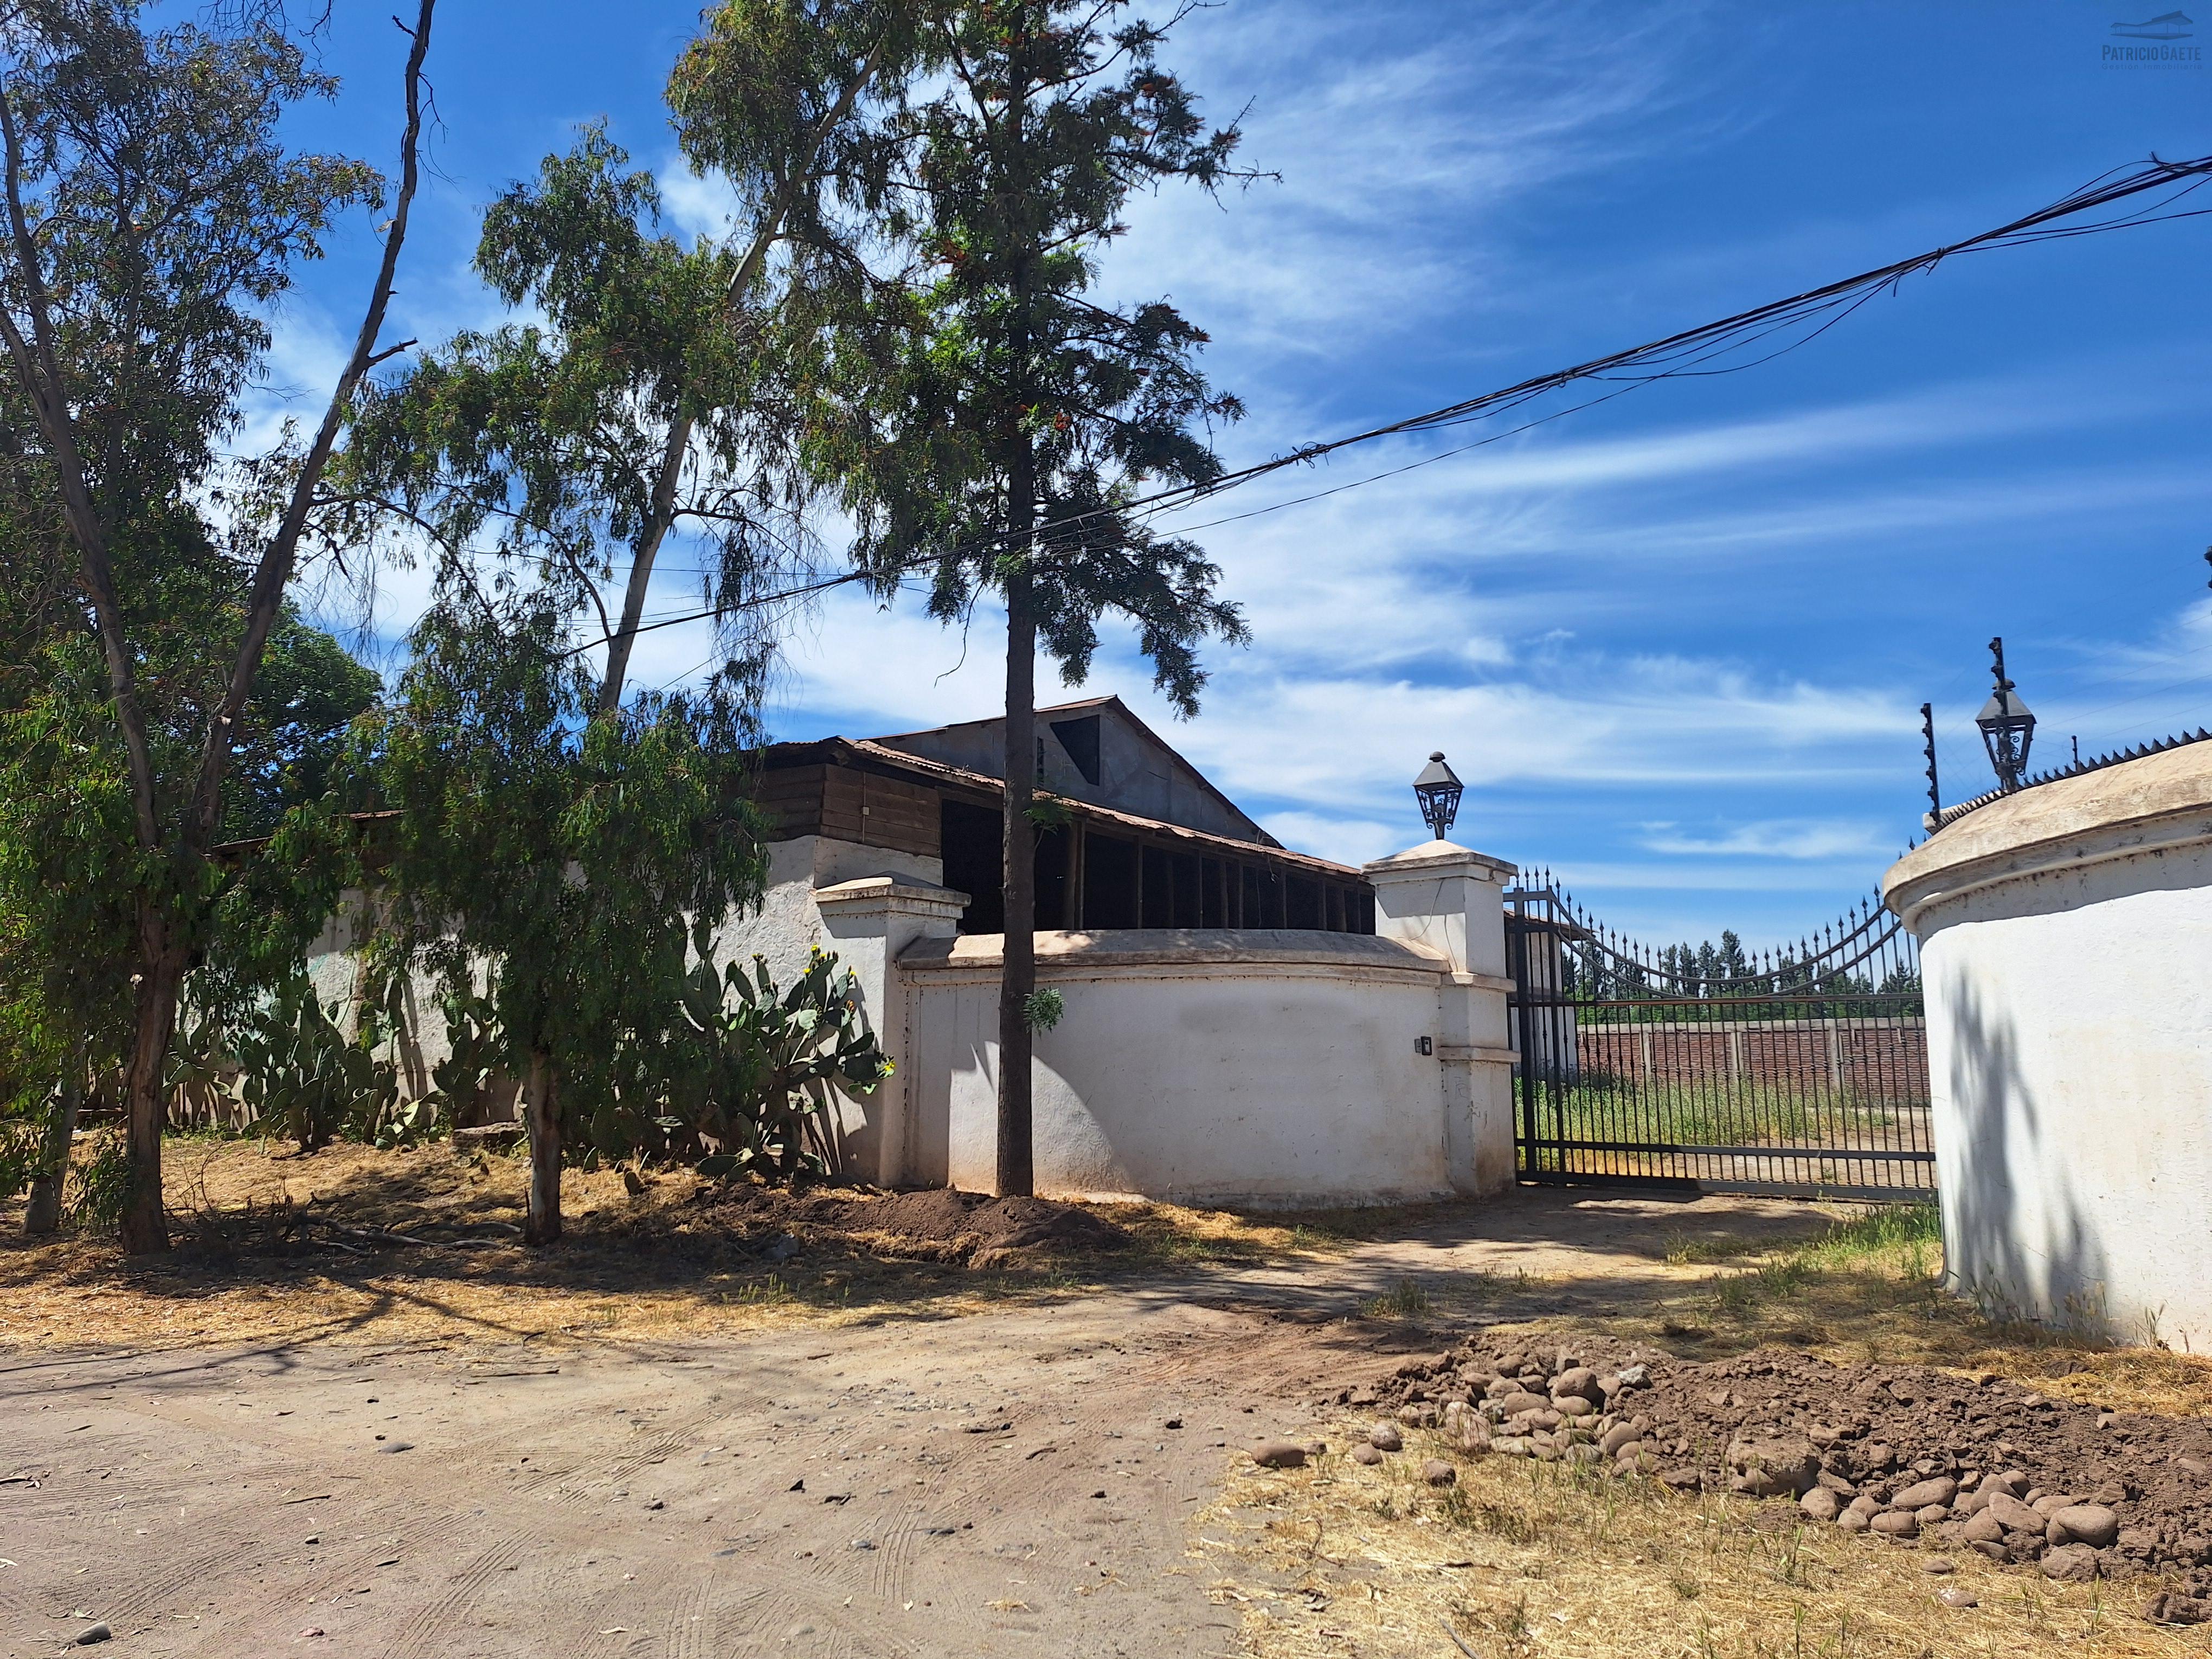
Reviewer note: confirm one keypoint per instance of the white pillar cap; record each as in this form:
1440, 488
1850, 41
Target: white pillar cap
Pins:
1437, 858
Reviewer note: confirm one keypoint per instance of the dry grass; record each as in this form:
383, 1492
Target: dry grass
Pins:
1523, 1558
634, 1265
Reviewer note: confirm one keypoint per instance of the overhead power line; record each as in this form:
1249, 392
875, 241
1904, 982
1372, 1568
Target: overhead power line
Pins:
1780, 326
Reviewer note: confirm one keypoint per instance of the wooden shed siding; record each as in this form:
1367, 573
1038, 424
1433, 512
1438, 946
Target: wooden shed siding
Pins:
791, 800
851, 805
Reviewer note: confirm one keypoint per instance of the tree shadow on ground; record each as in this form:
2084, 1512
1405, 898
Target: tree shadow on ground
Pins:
356, 1245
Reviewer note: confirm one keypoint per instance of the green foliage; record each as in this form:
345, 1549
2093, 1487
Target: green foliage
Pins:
545, 863
771, 1059
309, 690
163, 219
68, 871
542, 443
101, 1185
1050, 812
650, 393
23, 1154
172, 132
1043, 1010
475, 1053
302, 1077
1000, 392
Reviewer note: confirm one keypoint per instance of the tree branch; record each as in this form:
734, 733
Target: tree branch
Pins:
40, 366
274, 573
661, 514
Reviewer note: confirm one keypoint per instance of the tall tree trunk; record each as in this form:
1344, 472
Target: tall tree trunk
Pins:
161, 959
145, 1093
541, 1096
1017, 1161
43, 1214
1016, 1170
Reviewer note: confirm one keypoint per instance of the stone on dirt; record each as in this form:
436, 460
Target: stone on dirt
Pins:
1779, 1466
2172, 1607
1958, 1596
1899, 1524
1385, 1437
1982, 1528
2070, 1564
1581, 1381
1821, 1504
1437, 1473
1367, 1454
2083, 1523
95, 1633
1923, 1493
1280, 1454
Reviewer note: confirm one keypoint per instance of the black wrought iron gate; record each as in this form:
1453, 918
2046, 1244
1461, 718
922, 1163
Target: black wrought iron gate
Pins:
1798, 1073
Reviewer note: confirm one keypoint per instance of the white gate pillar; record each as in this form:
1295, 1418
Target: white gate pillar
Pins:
1449, 900
868, 922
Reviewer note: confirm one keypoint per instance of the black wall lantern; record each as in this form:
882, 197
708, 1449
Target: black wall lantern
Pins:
1438, 790
2008, 728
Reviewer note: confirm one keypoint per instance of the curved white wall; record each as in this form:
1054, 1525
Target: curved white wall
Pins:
2066, 944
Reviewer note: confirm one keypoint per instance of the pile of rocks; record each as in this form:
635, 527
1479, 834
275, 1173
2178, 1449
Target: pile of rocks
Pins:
1906, 1453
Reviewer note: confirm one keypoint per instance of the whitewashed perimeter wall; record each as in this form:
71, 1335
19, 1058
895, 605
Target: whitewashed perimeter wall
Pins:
1255, 1066
2066, 946
785, 927
1250, 1067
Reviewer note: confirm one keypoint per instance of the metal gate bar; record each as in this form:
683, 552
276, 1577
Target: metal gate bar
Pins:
1800, 1073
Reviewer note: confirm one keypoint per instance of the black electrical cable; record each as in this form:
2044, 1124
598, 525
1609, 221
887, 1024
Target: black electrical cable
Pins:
1673, 356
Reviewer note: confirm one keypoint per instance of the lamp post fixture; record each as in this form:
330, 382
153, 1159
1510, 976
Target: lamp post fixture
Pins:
2006, 726
1438, 790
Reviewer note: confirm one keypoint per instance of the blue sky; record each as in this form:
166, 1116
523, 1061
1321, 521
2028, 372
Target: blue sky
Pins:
1676, 646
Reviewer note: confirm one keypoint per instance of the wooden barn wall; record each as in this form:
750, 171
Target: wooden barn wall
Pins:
851, 805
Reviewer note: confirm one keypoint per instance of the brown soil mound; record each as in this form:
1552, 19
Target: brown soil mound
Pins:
1867, 1432
941, 1224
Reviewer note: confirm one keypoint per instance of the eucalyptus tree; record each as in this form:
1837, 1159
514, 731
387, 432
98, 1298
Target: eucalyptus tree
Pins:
1002, 435
152, 213
542, 463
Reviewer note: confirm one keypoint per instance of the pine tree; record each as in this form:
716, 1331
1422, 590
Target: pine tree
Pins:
1729, 961
1000, 434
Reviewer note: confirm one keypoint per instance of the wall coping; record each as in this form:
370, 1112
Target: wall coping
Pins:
1433, 858
1260, 949
2158, 801
890, 892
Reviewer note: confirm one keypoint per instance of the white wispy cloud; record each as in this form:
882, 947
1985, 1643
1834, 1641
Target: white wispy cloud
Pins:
1774, 838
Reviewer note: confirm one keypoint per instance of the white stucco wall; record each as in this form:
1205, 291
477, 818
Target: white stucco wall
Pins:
1212, 1065
2066, 947
1251, 1066
1248, 1066
788, 924
786, 927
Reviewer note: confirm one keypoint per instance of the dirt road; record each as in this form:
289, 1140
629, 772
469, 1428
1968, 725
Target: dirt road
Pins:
1003, 1483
